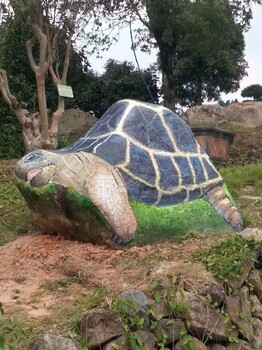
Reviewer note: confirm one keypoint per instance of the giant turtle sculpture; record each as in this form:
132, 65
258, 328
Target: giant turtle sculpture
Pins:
138, 155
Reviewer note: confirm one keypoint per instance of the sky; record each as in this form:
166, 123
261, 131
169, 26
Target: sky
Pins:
121, 51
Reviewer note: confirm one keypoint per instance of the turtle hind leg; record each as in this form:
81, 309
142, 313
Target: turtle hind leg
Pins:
222, 204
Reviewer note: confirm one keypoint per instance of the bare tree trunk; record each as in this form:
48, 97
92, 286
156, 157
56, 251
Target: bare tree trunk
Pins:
40, 71
57, 116
199, 100
35, 127
169, 93
59, 113
40, 83
31, 126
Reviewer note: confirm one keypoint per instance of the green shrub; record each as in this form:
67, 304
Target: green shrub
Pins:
11, 140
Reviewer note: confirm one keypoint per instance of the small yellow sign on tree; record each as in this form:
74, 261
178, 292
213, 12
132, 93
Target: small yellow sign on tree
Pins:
65, 91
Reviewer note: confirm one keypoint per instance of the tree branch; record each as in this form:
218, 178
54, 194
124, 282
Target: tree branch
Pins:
52, 47
11, 100
67, 58
42, 40
29, 49
53, 75
142, 20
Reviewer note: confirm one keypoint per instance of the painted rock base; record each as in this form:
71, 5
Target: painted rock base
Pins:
63, 211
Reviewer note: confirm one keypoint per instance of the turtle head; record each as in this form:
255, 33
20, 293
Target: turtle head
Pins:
37, 167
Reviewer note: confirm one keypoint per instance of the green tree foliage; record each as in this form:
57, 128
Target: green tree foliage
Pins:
203, 69
254, 91
122, 80
201, 49
227, 102
52, 27
96, 93
200, 43
22, 83
92, 92
13, 58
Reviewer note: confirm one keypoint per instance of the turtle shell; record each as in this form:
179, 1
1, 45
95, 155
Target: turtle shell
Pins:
155, 150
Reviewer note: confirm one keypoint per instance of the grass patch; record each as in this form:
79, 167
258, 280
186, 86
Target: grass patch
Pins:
238, 177
226, 259
224, 125
19, 333
60, 285
245, 185
16, 334
15, 216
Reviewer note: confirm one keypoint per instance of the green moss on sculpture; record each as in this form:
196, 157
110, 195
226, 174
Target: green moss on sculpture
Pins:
158, 224
75, 216
64, 211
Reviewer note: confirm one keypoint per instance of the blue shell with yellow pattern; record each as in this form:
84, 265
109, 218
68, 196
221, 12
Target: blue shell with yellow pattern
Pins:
155, 151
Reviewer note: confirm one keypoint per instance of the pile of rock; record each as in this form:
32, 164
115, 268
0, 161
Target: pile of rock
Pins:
246, 114
216, 319
75, 123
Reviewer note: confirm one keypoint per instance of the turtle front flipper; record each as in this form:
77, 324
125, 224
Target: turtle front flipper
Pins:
107, 190
218, 198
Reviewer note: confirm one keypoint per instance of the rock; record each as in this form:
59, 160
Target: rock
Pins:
251, 234
204, 320
140, 306
196, 345
159, 309
239, 310
146, 338
246, 114
55, 342
75, 123
116, 341
99, 326
256, 341
216, 291
170, 330
237, 282
217, 347
256, 306
205, 114
242, 345
255, 281
138, 298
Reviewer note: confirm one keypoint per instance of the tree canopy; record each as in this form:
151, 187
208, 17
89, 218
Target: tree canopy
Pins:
92, 92
254, 91
122, 80
210, 58
95, 93
51, 28
194, 41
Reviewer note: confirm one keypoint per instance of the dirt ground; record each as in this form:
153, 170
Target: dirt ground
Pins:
30, 262
29, 265
247, 147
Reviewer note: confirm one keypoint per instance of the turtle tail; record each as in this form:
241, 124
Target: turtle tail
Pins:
218, 198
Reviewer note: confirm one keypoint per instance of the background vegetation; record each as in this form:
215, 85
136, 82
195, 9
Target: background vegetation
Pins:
254, 91
201, 54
